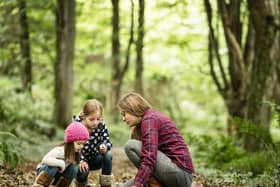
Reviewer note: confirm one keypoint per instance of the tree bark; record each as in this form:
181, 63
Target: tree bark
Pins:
261, 87
25, 47
139, 49
118, 70
251, 65
115, 88
65, 24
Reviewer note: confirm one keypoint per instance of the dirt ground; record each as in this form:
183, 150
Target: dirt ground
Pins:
25, 174
123, 170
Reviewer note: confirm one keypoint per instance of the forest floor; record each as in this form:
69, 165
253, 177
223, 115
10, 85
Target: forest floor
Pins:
24, 175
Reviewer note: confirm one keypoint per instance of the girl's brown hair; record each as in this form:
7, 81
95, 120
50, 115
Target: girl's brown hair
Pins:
91, 106
134, 104
70, 155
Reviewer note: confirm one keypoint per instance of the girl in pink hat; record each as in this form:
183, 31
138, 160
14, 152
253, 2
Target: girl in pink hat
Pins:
60, 165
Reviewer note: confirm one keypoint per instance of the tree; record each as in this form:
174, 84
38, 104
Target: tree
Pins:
118, 70
25, 47
139, 48
65, 25
248, 81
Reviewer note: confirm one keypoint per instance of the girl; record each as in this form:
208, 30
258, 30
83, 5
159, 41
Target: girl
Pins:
162, 152
96, 153
59, 165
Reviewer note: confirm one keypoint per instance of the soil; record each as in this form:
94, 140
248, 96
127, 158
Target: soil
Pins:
24, 175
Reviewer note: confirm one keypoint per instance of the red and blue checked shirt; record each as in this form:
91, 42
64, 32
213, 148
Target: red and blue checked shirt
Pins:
160, 133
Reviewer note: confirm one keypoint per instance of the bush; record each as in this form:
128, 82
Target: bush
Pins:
9, 153
215, 152
256, 163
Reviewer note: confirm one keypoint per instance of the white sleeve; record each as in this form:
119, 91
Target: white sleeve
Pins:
55, 157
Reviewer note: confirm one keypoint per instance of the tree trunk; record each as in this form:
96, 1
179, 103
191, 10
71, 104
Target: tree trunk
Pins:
139, 49
65, 24
115, 88
118, 71
25, 47
251, 66
263, 15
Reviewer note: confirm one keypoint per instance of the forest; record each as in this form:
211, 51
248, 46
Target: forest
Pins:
212, 66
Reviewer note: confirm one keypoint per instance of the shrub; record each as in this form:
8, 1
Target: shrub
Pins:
9, 152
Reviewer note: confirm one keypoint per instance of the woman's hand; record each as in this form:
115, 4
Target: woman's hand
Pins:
83, 166
103, 148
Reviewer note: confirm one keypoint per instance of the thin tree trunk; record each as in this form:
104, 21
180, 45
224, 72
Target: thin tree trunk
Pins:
65, 23
118, 71
115, 89
139, 49
25, 47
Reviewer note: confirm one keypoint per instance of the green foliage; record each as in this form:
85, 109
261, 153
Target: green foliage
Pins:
226, 154
215, 152
217, 178
9, 151
221, 161
26, 117
248, 128
275, 112
256, 163
21, 109
119, 134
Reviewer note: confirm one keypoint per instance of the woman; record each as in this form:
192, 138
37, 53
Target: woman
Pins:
161, 152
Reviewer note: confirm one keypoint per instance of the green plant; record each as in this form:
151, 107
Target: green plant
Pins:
9, 154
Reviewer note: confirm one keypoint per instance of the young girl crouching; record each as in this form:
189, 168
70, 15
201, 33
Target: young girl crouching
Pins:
60, 165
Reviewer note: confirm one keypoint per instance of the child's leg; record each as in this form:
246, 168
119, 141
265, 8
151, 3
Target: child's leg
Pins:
103, 161
70, 172
46, 175
82, 176
167, 172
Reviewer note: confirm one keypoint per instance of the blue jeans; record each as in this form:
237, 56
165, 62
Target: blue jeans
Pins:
101, 161
69, 173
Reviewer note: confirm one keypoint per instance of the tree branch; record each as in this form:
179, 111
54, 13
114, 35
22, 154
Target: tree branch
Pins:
213, 45
233, 43
131, 39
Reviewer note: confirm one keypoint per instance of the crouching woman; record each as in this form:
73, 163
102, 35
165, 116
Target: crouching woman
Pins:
161, 152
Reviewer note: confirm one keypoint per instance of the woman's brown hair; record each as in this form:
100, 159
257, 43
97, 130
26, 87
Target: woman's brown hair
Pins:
134, 104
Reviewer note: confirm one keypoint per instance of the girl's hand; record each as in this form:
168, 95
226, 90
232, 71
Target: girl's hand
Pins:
103, 148
83, 166
60, 170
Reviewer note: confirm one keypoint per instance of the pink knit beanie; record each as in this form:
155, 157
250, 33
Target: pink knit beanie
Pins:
75, 132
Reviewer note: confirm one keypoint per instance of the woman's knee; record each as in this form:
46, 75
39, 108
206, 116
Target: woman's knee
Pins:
132, 145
